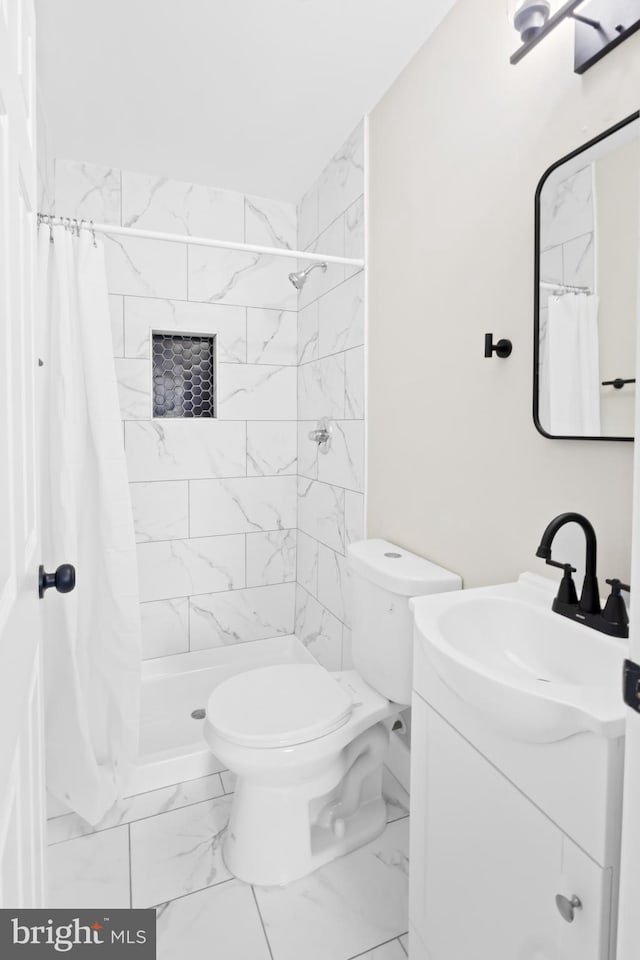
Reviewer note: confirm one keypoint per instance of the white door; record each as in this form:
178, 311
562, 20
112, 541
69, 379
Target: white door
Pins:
629, 904
22, 807
629, 910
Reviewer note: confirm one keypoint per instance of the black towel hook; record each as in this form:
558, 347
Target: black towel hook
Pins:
501, 349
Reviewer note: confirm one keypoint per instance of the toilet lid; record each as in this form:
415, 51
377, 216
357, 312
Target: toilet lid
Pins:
278, 706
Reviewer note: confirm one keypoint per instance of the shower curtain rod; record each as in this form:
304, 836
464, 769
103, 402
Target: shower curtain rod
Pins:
563, 286
197, 241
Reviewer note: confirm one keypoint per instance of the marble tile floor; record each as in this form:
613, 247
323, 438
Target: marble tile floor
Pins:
162, 849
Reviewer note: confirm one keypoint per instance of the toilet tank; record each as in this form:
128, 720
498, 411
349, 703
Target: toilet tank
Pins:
384, 577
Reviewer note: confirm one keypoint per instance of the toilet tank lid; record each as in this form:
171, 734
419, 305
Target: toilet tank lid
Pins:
399, 571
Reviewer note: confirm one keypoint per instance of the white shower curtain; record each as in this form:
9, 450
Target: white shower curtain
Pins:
573, 358
91, 636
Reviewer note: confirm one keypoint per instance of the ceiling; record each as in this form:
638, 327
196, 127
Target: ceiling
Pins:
250, 95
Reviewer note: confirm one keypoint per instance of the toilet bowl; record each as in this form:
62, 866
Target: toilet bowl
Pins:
308, 745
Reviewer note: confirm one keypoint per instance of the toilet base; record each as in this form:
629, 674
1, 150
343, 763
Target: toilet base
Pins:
365, 825
278, 834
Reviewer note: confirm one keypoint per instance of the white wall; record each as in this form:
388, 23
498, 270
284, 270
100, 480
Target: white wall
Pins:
331, 384
456, 469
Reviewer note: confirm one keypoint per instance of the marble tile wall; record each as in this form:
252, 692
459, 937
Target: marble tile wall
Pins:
214, 501
242, 525
567, 244
567, 231
331, 337
44, 161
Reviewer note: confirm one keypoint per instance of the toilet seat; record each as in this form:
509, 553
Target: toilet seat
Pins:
278, 706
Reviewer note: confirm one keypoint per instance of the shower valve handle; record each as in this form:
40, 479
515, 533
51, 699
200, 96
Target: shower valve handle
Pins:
64, 579
322, 434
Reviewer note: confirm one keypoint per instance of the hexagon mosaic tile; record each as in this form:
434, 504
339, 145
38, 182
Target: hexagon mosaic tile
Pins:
183, 375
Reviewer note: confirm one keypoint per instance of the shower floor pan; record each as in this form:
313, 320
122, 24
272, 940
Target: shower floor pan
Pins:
172, 746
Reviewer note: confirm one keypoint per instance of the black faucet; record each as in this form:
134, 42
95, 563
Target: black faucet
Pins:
613, 620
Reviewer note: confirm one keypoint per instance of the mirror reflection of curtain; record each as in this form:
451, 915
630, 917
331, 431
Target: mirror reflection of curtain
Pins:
573, 365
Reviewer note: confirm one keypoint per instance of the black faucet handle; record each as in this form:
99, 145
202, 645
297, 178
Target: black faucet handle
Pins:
615, 610
567, 593
568, 569
617, 585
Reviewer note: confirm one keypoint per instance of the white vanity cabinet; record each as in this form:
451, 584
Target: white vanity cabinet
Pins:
487, 863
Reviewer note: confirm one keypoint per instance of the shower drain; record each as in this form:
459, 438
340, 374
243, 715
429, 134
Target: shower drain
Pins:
199, 714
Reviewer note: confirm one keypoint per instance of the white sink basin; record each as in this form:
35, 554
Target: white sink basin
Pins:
537, 675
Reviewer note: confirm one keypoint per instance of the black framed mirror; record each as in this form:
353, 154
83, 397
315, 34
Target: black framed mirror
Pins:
587, 227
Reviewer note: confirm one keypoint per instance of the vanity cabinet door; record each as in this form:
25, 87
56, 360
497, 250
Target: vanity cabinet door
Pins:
486, 864
590, 936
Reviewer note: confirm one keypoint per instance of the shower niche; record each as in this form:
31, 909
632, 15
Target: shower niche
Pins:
184, 375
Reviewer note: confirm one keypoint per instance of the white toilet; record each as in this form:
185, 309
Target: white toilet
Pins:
308, 745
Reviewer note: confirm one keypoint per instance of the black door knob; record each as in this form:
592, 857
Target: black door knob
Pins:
64, 579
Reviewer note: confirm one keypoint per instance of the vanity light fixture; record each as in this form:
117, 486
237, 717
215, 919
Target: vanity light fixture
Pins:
600, 25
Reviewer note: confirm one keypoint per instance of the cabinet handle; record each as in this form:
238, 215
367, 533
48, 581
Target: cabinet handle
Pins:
568, 907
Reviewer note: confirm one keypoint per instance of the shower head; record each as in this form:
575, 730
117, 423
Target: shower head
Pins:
299, 279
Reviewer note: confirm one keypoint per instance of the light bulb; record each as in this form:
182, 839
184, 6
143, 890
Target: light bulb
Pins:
530, 17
